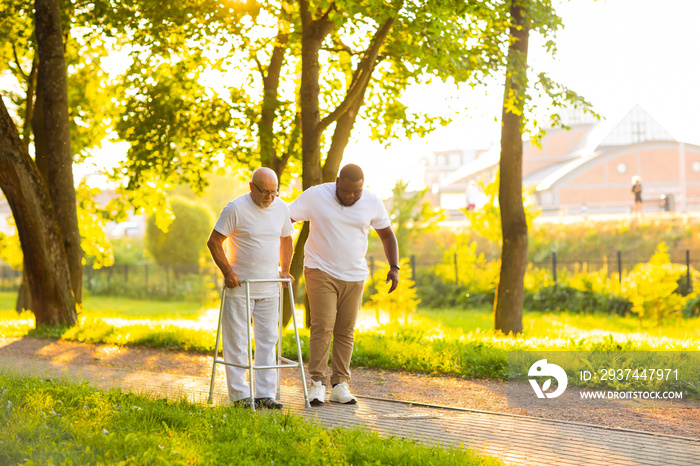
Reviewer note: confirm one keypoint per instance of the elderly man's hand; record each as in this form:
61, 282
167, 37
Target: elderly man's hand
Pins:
231, 280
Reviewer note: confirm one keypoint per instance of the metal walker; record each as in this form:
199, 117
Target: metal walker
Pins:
282, 363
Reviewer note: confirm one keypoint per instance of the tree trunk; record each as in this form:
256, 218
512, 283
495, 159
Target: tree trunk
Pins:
268, 154
40, 157
45, 262
341, 137
508, 307
54, 88
312, 36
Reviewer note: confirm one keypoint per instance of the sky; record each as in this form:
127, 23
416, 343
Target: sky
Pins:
615, 53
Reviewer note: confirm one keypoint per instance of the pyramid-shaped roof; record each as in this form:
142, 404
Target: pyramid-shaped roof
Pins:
637, 126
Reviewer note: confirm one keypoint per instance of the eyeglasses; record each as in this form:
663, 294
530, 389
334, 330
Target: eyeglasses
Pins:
267, 193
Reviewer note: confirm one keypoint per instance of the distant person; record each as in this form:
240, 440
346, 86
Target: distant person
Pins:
335, 269
637, 191
258, 229
472, 195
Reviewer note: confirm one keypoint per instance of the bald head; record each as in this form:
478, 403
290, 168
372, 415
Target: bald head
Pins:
263, 187
264, 174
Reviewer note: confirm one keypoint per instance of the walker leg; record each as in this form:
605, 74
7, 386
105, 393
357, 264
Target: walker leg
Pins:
250, 348
301, 359
216, 346
278, 395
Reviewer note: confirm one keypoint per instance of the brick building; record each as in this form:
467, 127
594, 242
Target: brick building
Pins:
589, 168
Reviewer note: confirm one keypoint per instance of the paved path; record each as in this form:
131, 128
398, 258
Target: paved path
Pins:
513, 439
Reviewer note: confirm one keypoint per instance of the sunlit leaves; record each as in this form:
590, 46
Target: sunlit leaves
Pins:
176, 126
91, 220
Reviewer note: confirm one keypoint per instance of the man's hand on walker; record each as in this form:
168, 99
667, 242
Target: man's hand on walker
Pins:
286, 275
231, 280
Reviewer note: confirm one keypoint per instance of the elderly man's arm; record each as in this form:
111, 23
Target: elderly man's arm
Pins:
391, 251
215, 243
286, 250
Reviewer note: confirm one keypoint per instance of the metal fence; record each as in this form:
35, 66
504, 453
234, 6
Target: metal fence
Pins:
148, 281
175, 282
617, 264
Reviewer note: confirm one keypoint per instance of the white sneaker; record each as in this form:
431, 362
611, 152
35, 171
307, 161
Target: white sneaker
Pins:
341, 394
317, 394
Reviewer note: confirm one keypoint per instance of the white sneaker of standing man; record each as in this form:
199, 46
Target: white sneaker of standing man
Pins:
340, 393
317, 394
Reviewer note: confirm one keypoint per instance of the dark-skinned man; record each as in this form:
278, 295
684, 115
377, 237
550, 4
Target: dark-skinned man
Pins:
335, 269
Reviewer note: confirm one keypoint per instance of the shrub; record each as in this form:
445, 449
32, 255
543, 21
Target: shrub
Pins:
567, 298
402, 300
651, 287
185, 241
692, 307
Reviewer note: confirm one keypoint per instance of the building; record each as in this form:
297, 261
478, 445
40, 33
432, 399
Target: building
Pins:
589, 168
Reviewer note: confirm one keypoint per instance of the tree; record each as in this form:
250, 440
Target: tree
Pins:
58, 123
314, 66
524, 16
508, 304
46, 265
185, 241
54, 247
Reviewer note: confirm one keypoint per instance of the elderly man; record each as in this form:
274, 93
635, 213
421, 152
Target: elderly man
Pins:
257, 231
335, 269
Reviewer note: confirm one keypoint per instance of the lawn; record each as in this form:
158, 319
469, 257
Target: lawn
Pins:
57, 422
457, 342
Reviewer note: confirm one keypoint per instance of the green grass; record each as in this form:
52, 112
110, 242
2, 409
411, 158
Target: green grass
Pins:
110, 306
56, 422
7, 300
456, 342
115, 306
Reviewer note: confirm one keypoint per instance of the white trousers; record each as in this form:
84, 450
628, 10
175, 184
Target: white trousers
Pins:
265, 313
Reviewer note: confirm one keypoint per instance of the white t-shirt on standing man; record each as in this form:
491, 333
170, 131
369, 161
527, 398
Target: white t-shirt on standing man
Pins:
337, 241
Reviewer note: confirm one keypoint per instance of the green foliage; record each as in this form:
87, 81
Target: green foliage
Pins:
651, 287
154, 282
184, 242
692, 307
487, 220
11, 251
129, 251
411, 215
603, 238
400, 302
566, 298
436, 293
45, 421
464, 267
91, 220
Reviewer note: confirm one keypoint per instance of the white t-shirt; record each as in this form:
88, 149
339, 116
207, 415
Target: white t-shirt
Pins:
253, 244
337, 241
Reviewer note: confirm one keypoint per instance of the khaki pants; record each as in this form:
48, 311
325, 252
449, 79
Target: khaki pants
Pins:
333, 307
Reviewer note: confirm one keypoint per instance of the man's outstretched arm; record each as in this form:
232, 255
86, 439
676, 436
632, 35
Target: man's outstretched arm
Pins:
391, 251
